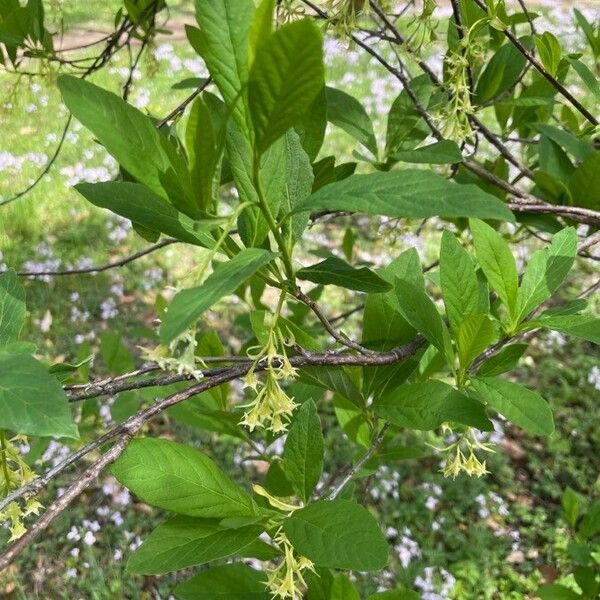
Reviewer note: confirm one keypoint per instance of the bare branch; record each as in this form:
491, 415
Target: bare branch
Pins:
99, 268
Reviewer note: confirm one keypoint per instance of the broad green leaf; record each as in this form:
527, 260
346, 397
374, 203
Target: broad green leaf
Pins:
312, 126
338, 534
286, 77
186, 541
503, 361
571, 503
518, 404
427, 405
411, 193
342, 589
205, 140
405, 125
352, 420
347, 113
303, 450
497, 262
297, 186
32, 401
445, 152
590, 80
458, 279
545, 271
475, 334
585, 183
555, 591
226, 582
141, 205
590, 32
420, 311
131, 138
585, 326
500, 74
188, 305
590, 524
335, 379
223, 44
180, 479
12, 308
335, 271
252, 225
549, 51
580, 149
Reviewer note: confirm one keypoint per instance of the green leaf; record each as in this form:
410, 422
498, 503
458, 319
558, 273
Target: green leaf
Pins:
338, 534
335, 271
571, 503
503, 361
497, 262
297, 187
188, 305
518, 404
590, 80
335, 379
342, 589
445, 152
303, 451
12, 308
32, 401
475, 334
549, 51
131, 138
555, 591
586, 326
425, 406
500, 74
458, 279
585, 183
580, 149
411, 193
252, 225
545, 271
590, 524
227, 582
420, 311
312, 126
142, 206
186, 541
347, 113
286, 77
405, 126
205, 140
181, 479
223, 44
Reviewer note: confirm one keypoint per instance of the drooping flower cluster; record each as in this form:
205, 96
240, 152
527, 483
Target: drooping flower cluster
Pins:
272, 407
460, 457
179, 355
286, 580
15, 472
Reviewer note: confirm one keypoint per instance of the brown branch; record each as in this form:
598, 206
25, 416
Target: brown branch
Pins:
99, 268
131, 426
557, 85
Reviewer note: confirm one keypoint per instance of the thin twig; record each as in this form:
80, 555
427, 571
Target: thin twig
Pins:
557, 85
99, 268
353, 470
